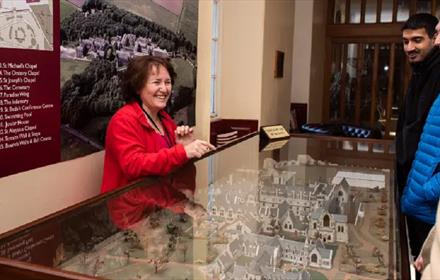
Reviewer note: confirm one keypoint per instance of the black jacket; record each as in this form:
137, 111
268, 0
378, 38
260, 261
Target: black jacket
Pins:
422, 91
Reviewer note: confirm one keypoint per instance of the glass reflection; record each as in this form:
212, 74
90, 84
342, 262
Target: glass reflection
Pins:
347, 145
362, 147
367, 83
383, 75
345, 82
338, 83
339, 14
173, 193
378, 148
355, 11
398, 86
423, 6
387, 11
148, 229
352, 82
370, 11
402, 10
315, 207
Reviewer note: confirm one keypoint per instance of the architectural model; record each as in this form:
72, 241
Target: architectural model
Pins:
297, 219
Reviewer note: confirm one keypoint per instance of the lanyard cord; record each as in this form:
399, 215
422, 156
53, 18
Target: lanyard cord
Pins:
166, 135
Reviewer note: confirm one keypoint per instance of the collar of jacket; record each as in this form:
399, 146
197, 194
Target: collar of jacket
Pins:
432, 59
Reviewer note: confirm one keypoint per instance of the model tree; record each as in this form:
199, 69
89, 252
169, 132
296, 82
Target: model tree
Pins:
380, 223
384, 197
97, 266
357, 265
127, 255
154, 219
183, 247
158, 263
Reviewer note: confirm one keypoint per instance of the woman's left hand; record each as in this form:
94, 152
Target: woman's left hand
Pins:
184, 134
418, 264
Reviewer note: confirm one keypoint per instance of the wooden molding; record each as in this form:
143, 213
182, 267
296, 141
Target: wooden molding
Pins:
374, 30
11, 269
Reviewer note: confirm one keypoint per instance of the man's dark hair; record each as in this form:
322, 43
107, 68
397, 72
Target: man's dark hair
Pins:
137, 73
422, 20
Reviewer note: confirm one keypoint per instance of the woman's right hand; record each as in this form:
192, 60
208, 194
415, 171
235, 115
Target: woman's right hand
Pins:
184, 134
197, 148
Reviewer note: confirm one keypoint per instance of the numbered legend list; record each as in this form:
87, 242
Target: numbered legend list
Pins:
16, 126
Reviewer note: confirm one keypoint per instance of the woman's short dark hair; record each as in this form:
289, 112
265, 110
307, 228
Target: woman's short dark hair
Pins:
422, 20
137, 73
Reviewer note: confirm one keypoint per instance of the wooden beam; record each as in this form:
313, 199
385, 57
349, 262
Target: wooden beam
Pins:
434, 7
374, 85
394, 11
363, 9
343, 82
359, 84
390, 90
12, 269
368, 40
385, 30
412, 7
327, 81
378, 11
331, 12
347, 11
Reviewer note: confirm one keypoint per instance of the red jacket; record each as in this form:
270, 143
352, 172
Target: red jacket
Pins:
133, 149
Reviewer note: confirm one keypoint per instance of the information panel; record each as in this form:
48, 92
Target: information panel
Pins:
29, 85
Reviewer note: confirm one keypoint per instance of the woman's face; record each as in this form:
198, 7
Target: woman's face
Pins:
157, 89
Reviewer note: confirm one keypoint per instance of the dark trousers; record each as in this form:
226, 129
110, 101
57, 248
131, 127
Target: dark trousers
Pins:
417, 231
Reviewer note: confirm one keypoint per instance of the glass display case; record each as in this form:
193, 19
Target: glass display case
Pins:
303, 208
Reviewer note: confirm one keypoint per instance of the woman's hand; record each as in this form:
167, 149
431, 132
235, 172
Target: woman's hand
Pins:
197, 148
184, 134
418, 263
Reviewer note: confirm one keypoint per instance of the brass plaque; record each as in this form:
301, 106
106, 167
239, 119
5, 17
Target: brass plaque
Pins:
275, 132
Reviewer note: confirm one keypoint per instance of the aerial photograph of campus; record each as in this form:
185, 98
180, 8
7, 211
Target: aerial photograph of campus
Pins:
98, 39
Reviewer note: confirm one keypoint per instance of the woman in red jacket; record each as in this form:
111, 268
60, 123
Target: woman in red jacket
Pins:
142, 139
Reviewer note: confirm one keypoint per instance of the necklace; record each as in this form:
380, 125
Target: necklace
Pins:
165, 136
150, 118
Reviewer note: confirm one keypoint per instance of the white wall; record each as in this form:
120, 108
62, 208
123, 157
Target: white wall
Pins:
308, 60
317, 62
302, 50
250, 33
33, 194
278, 33
241, 56
203, 70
